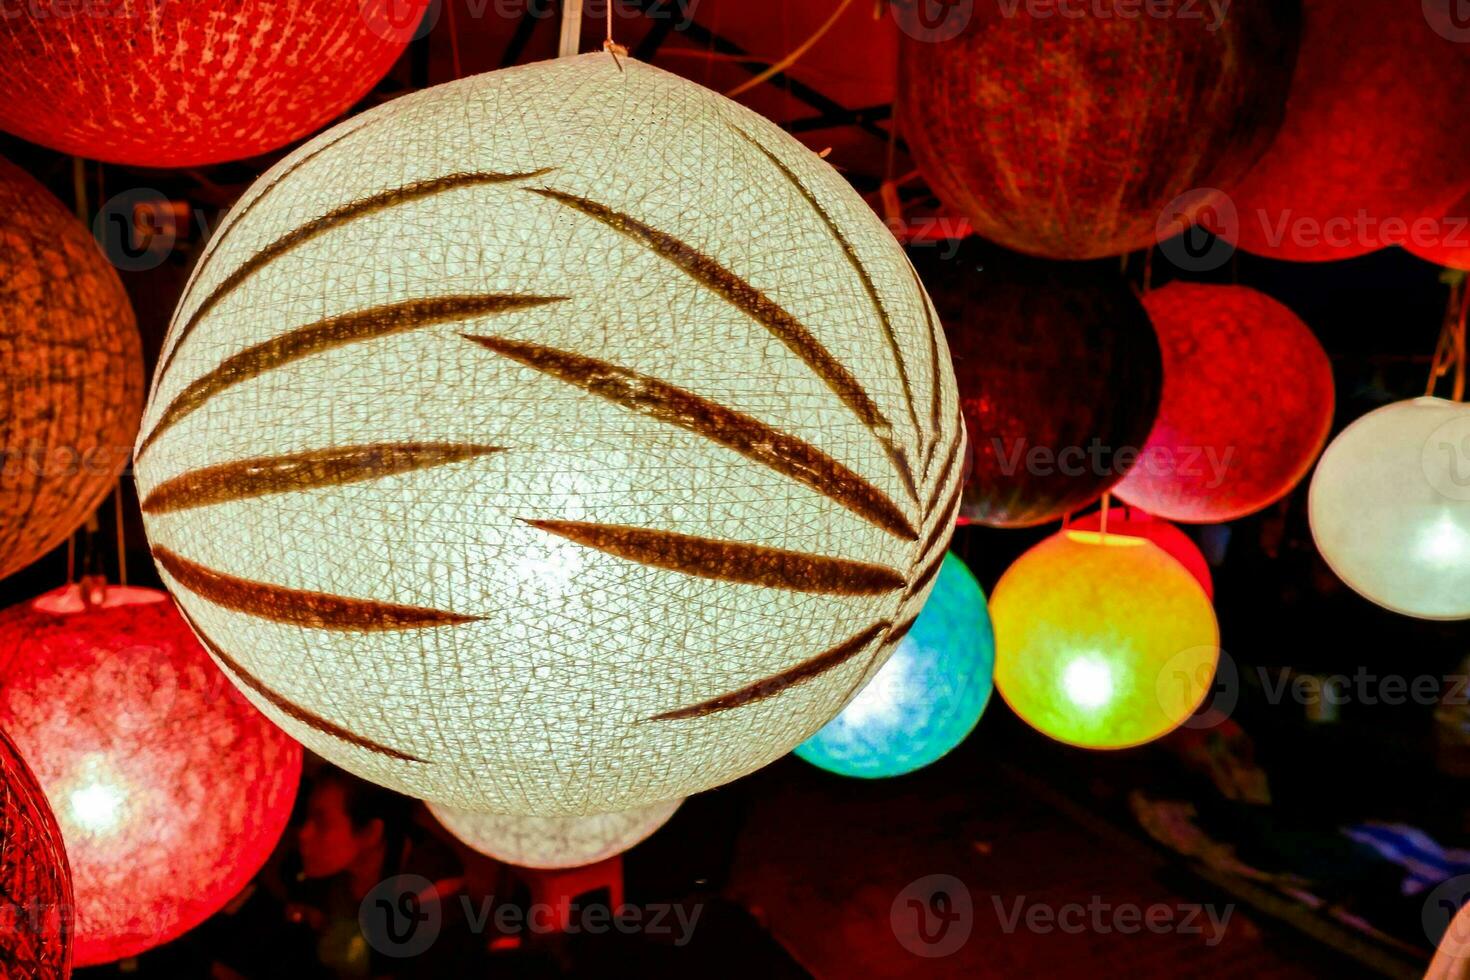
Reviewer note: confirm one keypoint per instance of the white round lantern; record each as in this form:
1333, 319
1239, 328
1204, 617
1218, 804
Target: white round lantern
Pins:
554, 842
557, 441
1390, 507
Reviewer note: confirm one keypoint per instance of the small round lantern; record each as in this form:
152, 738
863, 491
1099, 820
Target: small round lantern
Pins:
605, 501
1247, 405
554, 842
38, 915
929, 695
1058, 369
170, 789
1133, 523
1073, 136
1370, 143
72, 375
1102, 641
161, 84
1390, 507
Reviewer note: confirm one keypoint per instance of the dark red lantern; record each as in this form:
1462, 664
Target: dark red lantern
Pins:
1247, 405
166, 84
1071, 134
1131, 523
1375, 136
1446, 240
169, 787
1058, 370
35, 881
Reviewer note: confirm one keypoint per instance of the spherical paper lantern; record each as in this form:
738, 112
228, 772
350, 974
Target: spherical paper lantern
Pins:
1445, 241
1102, 641
1174, 542
926, 698
1370, 143
71, 379
35, 880
1058, 370
170, 789
554, 842
1073, 136
159, 84
1247, 405
1390, 507
602, 502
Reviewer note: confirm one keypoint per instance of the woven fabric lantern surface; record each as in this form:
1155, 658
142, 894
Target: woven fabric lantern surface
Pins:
1059, 376
71, 378
607, 500
162, 84
554, 842
1102, 641
1248, 398
170, 789
1370, 142
926, 698
35, 880
1390, 507
1071, 137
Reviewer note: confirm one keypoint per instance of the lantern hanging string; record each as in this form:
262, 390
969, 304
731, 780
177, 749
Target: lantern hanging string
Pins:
122, 535
453, 44
791, 57
571, 27
608, 44
1450, 350
1103, 519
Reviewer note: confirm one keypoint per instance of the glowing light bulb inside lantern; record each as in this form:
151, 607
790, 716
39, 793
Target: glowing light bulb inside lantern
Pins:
97, 806
1088, 681
929, 695
1444, 543
1102, 641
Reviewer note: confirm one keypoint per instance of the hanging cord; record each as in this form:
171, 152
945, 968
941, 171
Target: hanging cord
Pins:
122, 533
453, 44
609, 45
792, 57
1102, 525
571, 28
1450, 350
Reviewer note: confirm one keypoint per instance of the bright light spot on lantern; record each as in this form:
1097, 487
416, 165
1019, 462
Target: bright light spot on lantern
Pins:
926, 698
1102, 642
97, 805
1444, 543
1390, 507
579, 550
1088, 681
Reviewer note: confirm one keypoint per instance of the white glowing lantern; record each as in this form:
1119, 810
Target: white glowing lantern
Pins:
557, 441
554, 842
1390, 507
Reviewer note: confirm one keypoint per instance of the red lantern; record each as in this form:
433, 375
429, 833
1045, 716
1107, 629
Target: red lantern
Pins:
71, 378
35, 881
170, 788
1370, 142
1131, 523
1058, 370
163, 84
1070, 135
1247, 405
1446, 241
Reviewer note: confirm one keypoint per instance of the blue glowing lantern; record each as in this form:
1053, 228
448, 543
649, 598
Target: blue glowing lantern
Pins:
926, 698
